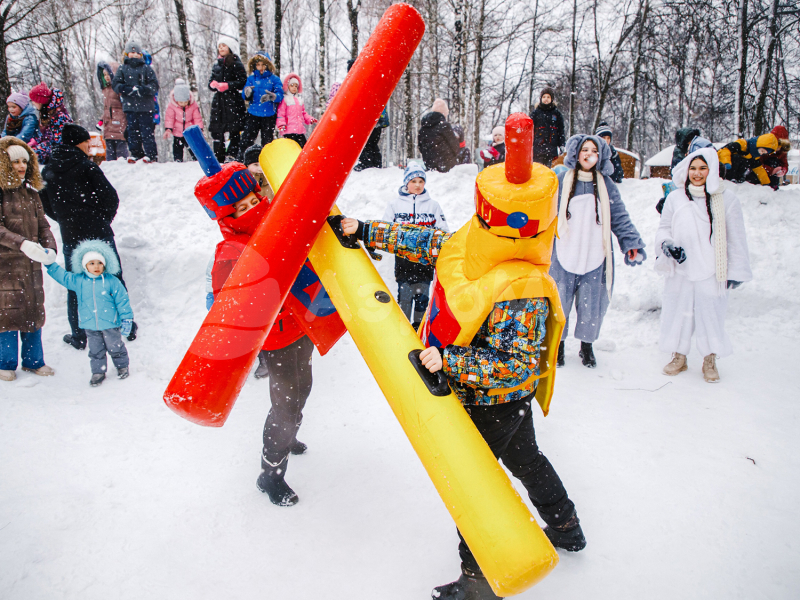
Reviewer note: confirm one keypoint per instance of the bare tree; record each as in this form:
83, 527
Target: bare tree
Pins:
352, 15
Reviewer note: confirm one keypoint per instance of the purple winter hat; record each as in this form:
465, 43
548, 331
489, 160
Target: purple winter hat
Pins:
19, 99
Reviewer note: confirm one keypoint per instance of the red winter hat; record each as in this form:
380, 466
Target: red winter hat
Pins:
41, 93
781, 132
219, 192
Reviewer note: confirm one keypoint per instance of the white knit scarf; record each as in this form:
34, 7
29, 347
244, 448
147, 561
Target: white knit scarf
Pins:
293, 99
605, 215
719, 232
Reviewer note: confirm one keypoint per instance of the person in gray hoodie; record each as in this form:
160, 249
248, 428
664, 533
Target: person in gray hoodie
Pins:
137, 86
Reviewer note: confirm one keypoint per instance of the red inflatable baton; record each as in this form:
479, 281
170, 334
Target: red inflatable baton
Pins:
519, 148
215, 367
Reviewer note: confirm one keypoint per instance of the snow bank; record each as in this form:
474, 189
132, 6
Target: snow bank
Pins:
684, 489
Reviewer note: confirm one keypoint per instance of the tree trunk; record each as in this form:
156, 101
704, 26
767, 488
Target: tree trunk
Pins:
188, 56
760, 124
278, 24
573, 70
409, 116
533, 56
5, 83
322, 46
456, 100
637, 67
63, 59
259, 24
352, 15
741, 42
242, 13
476, 133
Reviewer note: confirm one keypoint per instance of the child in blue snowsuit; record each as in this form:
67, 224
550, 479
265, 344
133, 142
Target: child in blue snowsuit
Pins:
104, 308
264, 90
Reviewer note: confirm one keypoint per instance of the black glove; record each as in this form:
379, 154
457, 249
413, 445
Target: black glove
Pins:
248, 92
360, 231
673, 251
126, 90
268, 97
732, 285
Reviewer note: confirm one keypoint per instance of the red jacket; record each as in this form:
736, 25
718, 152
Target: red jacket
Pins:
177, 118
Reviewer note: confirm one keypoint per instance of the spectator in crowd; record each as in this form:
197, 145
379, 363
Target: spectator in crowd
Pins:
21, 122
24, 235
437, 141
464, 155
777, 164
182, 112
227, 80
495, 153
53, 116
114, 124
264, 90
548, 128
292, 115
742, 158
687, 140
137, 85
605, 132
84, 203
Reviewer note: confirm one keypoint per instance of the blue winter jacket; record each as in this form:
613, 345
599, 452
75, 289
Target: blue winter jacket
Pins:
28, 129
102, 301
262, 83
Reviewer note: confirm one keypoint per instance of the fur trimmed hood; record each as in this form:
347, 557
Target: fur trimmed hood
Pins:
288, 78
9, 180
262, 56
99, 246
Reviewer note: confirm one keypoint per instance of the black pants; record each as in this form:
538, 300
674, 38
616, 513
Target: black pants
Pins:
141, 136
72, 297
300, 138
508, 429
234, 139
178, 144
544, 160
371, 154
116, 149
289, 386
254, 125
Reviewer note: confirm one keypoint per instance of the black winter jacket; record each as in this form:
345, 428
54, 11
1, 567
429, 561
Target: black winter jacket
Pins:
227, 108
683, 137
78, 196
438, 143
619, 173
137, 86
548, 131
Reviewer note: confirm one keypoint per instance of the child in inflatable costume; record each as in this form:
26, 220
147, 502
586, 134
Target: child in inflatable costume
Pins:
231, 197
493, 325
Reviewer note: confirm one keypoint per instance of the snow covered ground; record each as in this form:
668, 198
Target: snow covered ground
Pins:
685, 490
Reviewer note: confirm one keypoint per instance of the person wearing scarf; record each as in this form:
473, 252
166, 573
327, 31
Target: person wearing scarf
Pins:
703, 253
590, 210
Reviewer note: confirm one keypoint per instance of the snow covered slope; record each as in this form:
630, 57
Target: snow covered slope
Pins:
685, 490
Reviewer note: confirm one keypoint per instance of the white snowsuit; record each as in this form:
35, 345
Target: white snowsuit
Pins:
692, 301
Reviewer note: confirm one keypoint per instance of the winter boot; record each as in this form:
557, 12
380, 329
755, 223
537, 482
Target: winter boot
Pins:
298, 447
710, 373
676, 365
78, 344
97, 379
6, 375
262, 370
560, 360
123, 373
587, 355
43, 371
470, 586
132, 334
272, 483
568, 536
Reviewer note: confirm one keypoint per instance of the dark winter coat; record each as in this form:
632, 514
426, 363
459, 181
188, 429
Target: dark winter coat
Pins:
500, 158
25, 126
78, 196
52, 119
619, 173
227, 108
548, 131
137, 85
438, 143
21, 218
114, 121
683, 137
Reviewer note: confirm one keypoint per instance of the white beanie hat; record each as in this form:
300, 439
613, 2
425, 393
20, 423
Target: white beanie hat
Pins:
16, 152
230, 43
91, 255
499, 130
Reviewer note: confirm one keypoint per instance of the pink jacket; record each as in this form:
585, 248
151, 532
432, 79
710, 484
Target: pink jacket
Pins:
292, 114
178, 118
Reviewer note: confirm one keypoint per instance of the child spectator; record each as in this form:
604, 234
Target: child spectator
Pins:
103, 305
264, 91
21, 121
114, 123
548, 128
605, 132
777, 164
24, 235
742, 158
413, 206
182, 112
53, 116
495, 153
292, 115
137, 85
228, 77
464, 155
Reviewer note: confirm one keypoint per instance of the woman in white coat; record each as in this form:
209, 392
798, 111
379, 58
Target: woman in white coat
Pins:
703, 254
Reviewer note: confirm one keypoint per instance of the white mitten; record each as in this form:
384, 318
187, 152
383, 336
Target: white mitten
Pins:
35, 252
